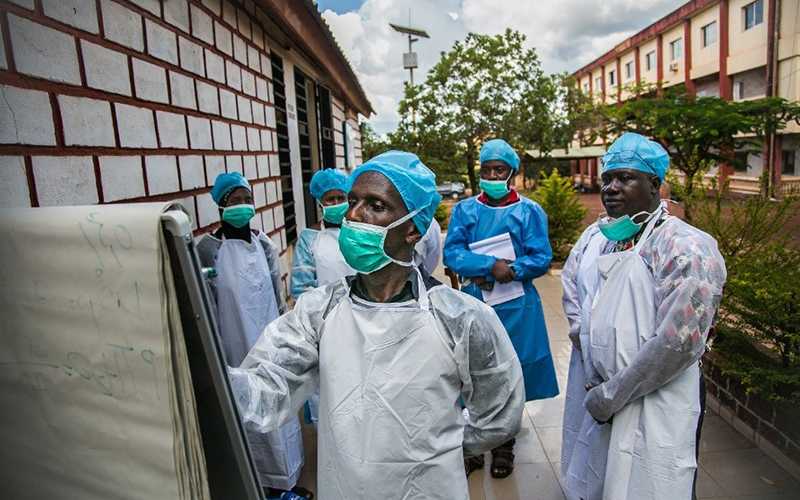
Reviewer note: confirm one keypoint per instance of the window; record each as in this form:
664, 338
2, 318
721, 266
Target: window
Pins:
598, 84
650, 60
709, 34
612, 78
586, 88
740, 161
753, 14
676, 49
629, 70
738, 90
787, 163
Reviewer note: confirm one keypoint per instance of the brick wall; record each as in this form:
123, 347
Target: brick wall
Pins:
340, 116
106, 101
771, 426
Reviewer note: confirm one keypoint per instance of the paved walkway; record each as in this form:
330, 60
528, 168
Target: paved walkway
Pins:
730, 466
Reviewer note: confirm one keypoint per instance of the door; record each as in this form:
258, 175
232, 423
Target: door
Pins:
305, 90
282, 128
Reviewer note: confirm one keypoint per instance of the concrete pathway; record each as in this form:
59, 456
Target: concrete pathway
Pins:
731, 467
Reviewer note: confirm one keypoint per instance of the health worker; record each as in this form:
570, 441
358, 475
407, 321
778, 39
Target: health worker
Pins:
248, 294
641, 289
499, 211
317, 260
395, 356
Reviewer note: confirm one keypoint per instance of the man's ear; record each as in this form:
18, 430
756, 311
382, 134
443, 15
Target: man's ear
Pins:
655, 186
413, 236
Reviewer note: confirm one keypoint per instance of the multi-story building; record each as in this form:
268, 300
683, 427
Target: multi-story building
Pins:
114, 101
733, 49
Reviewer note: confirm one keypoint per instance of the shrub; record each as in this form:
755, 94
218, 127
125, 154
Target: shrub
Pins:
442, 215
564, 212
760, 312
763, 299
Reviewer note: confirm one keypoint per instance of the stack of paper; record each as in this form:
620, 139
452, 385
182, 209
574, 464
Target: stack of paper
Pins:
95, 384
499, 246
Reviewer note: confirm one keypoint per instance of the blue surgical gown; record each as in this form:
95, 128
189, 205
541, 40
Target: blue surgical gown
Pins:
523, 317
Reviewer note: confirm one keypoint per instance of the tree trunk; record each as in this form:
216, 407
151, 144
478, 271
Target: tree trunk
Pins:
470, 156
688, 202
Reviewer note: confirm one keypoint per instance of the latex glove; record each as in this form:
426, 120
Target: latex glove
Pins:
595, 404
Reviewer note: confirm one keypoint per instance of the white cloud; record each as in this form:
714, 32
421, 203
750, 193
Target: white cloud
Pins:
566, 33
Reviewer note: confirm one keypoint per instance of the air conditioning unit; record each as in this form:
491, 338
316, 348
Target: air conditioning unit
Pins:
673, 66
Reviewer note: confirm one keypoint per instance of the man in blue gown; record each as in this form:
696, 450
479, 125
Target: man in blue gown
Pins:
499, 209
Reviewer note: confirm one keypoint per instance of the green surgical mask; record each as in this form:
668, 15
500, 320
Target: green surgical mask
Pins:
495, 189
622, 228
361, 244
238, 215
334, 213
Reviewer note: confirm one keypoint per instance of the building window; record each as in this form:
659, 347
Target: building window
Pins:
586, 88
787, 163
676, 49
740, 161
738, 90
598, 84
709, 34
753, 14
650, 60
629, 70
612, 78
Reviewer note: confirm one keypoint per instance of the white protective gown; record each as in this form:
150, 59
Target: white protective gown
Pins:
641, 317
392, 379
246, 304
428, 250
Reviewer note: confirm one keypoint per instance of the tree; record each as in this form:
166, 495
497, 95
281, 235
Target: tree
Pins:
485, 86
697, 131
564, 212
371, 143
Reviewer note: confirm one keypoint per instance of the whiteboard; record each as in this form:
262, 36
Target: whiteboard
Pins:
95, 384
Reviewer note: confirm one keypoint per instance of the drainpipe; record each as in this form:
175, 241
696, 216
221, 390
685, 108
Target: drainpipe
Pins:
773, 33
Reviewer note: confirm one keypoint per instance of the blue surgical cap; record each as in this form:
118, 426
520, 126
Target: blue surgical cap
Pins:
326, 180
412, 179
225, 183
637, 152
498, 149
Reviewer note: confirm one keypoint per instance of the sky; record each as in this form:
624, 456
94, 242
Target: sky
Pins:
566, 34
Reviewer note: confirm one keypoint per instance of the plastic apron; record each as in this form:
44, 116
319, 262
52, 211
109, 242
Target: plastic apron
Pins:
390, 423
246, 304
328, 259
330, 266
651, 454
585, 444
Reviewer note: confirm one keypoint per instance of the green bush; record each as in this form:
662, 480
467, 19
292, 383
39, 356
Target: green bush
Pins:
763, 299
759, 320
755, 369
442, 215
564, 212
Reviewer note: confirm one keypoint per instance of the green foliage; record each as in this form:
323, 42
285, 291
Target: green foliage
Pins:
485, 86
755, 370
564, 212
371, 143
763, 299
442, 215
760, 310
744, 226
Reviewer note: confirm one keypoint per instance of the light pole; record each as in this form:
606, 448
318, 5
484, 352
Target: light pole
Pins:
410, 58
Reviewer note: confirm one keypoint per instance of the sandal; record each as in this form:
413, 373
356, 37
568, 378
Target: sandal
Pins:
502, 463
304, 493
472, 464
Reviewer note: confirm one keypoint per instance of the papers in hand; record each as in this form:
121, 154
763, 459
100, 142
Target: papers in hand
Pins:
499, 246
